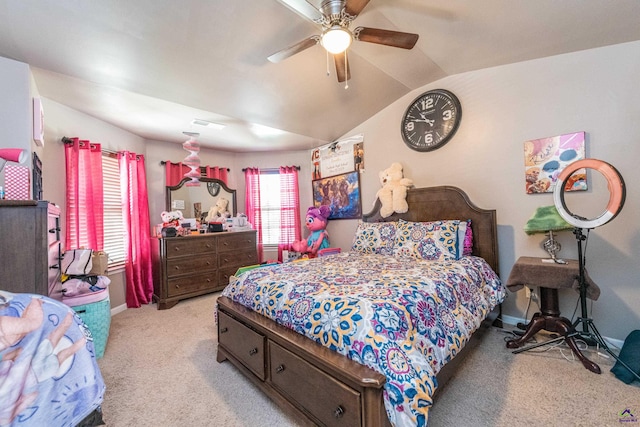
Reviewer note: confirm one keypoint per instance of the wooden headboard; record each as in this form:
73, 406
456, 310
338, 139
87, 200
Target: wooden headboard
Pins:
446, 202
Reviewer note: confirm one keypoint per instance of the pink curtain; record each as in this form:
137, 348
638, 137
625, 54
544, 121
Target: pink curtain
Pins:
252, 203
175, 173
135, 212
289, 209
84, 201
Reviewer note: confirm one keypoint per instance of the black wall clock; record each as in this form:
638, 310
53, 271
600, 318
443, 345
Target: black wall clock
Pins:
431, 120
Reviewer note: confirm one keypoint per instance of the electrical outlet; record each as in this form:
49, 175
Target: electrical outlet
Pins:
534, 296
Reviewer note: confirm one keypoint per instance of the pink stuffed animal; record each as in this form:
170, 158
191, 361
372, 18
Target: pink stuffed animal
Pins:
316, 223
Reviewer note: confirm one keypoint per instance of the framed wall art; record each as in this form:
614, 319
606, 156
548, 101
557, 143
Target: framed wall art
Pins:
545, 158
341, 193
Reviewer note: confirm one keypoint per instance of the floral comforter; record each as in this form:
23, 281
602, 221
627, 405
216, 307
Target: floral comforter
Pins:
404, 318
48, 371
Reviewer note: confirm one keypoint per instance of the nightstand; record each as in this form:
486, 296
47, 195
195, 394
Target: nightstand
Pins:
549, 277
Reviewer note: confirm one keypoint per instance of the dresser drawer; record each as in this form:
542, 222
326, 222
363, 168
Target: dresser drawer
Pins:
331, 402
233, 241
191, 283
181, 246
233, 260
191, 264
243, 343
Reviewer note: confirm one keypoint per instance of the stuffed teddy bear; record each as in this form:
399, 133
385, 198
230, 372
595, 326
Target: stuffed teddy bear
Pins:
219, 211
316, 222
171, 218
393, 194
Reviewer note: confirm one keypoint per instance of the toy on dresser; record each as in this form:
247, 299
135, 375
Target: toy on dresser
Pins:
171, 223
219, 212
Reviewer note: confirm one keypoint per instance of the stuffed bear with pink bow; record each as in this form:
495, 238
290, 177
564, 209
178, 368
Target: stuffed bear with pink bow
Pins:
316, 222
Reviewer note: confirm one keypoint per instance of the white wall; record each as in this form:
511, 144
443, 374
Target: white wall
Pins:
595, 91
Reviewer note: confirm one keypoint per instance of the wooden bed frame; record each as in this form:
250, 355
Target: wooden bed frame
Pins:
314, 384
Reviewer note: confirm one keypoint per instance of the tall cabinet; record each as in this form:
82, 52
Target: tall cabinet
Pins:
30, 248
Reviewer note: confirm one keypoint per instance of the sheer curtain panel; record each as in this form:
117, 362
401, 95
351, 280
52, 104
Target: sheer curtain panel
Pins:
252, 204
135, 213
84, 195
289, 209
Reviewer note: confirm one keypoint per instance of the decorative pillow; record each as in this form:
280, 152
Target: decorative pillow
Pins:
435, 240
465, 235
375, 237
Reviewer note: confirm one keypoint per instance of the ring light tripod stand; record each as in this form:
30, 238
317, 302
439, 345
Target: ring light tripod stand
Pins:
589, 332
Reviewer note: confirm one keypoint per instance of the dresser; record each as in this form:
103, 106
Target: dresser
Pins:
187, 266
30, 247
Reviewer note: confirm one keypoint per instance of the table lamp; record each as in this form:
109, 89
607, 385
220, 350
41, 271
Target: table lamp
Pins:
17, 155
546, 219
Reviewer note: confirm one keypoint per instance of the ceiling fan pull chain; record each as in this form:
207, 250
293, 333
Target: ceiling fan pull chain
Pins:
328, 72
346, 80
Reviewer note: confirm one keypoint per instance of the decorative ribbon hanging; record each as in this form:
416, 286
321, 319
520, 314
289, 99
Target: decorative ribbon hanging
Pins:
192, 160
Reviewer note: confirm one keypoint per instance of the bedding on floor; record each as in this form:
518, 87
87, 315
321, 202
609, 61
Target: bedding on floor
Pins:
48, 370
401, 316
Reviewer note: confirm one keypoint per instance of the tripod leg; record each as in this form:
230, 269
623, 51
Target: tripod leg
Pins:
604, 345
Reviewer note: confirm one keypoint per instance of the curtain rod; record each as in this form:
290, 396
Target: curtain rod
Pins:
271, 169
104, 151
164, 162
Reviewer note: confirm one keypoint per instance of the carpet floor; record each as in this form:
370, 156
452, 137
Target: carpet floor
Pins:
160, 369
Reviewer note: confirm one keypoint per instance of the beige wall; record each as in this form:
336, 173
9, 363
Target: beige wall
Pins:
593, 91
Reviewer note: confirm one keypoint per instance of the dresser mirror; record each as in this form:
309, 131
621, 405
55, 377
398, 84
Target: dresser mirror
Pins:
195, 201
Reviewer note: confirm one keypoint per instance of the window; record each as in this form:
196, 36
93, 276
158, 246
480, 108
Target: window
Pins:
270, 207
273, 205
114, 232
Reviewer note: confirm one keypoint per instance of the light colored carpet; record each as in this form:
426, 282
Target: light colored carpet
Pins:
160, 370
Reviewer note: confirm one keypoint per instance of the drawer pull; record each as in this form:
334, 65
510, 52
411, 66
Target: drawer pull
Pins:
226, 243
54, 230
177, 286
224, 330
208, 280
54, 267
280, 369
177, 267
225, 260
253, 351
208, 262
208, 245
338, 412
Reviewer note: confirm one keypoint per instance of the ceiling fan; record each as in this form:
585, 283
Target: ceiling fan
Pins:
335, 16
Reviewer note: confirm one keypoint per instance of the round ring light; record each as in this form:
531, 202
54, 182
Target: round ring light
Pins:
617, 193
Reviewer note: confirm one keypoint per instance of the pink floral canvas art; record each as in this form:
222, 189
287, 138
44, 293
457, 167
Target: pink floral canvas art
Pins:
545, 158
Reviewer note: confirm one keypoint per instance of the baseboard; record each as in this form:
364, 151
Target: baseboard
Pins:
118, 309
510, 320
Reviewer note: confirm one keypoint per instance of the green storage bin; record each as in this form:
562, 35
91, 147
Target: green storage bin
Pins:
97, 317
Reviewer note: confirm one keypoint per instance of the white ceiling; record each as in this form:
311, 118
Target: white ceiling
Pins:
152, 66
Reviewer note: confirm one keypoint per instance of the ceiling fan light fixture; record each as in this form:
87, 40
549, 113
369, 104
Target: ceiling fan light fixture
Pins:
336, 39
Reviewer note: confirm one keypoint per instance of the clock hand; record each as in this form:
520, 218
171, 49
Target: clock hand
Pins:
424, 119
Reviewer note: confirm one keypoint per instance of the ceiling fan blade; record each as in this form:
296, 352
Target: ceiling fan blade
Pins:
292, 50
354, 7
386, 37
304, 8
342, 67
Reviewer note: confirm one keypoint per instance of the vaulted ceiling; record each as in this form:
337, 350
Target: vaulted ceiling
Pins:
152, 66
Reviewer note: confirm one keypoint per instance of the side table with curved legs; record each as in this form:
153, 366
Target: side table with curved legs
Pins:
549, 277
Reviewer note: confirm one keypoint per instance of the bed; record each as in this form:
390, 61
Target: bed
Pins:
365, 337
48, 370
